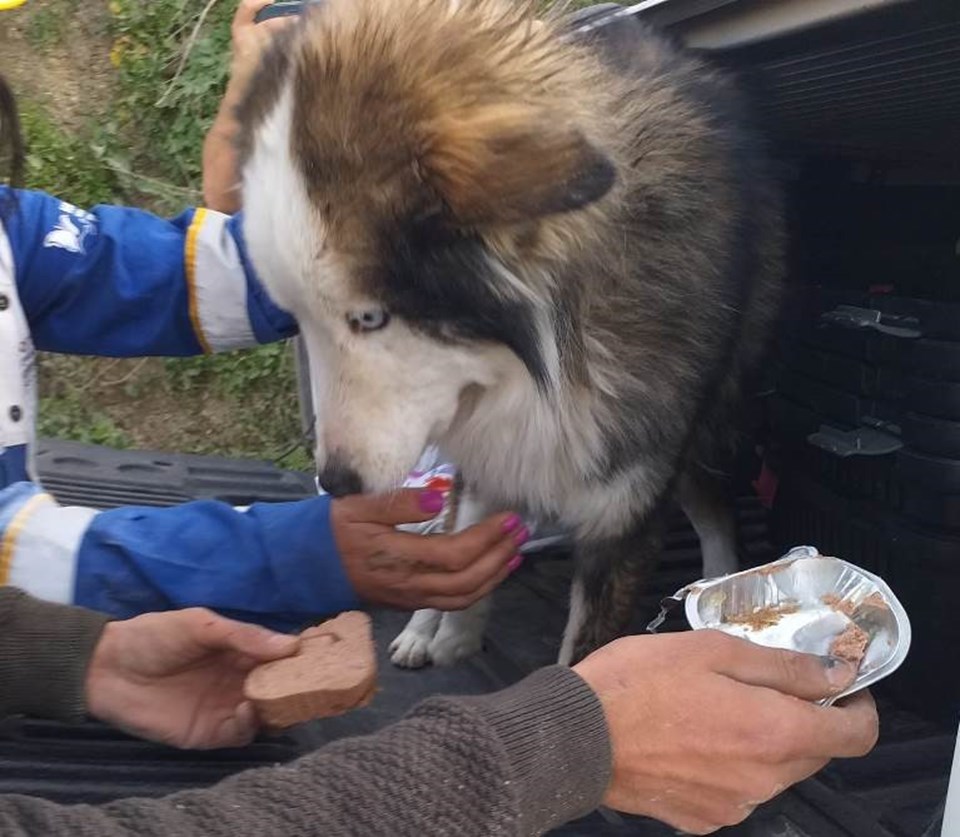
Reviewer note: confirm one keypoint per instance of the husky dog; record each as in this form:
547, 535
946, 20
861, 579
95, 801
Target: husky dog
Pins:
556, 266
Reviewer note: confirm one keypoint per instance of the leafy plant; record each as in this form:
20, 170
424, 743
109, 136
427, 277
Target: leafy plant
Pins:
69, 417
63, 164
167, 99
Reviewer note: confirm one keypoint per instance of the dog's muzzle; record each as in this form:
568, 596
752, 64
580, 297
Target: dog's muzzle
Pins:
339, 479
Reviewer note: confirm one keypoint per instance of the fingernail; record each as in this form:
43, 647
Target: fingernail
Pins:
431, 501
522, 536
511, 523
515, 563
840, 673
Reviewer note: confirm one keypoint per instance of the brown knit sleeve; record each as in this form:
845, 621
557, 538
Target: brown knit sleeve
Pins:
509, 764
44, 652
555, 739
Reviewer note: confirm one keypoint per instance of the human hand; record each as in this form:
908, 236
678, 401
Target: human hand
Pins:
177, 677
249, 40
705, 727
410, 571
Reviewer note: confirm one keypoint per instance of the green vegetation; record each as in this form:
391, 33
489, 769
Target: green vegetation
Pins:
63, 164
72, 417
169, 84
139, 143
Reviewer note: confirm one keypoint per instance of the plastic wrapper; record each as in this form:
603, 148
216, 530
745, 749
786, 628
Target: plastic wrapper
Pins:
432, 472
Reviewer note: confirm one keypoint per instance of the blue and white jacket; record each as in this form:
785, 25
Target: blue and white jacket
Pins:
120, 282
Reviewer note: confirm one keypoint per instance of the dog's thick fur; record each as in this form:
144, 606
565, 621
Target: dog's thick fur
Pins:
557, 266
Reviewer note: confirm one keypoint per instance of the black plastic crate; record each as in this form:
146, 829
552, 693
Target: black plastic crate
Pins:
836, 404
923, 568
937, 320
938, 359
937, 474
930, 508
870, 346
807, 512
848, 374
938, 436
933, 398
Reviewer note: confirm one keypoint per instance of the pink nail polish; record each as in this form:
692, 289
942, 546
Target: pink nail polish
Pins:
522, 536
431, 501
515, 563
512, 523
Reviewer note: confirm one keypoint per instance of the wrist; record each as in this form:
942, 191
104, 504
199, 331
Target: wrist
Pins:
45, 652
224, 128
101, 673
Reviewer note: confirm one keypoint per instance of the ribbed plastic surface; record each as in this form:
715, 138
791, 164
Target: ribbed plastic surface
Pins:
884, 82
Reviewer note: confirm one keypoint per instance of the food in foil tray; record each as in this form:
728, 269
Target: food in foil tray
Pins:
806, 602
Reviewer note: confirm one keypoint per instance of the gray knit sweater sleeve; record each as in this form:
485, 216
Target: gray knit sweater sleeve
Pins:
517, 762
44, 652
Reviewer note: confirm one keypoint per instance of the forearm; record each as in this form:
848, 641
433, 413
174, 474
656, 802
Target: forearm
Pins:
221, 178
120, 282
515, 763
44, 653
276, 564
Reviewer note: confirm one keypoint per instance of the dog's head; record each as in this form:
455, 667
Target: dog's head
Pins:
414, 170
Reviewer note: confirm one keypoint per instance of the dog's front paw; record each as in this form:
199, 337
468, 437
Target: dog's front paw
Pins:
448, 649
411, 649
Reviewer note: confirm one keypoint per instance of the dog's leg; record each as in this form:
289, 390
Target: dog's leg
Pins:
609, 574
445, 638
460, 634
410, 648
706, 504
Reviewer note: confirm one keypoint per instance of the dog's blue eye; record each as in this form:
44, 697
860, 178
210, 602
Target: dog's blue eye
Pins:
372, 319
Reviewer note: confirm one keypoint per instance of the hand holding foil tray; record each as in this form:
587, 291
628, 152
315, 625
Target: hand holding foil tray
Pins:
806, 602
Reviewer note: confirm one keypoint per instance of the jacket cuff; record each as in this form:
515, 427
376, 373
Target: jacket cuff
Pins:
305, 560
45, 650
554, 733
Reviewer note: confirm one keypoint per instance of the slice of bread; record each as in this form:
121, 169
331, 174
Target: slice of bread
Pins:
334, 671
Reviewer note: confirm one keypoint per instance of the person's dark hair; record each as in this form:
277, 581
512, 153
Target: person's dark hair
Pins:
11, 146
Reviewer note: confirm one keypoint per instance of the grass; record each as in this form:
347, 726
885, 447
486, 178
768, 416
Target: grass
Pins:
142, 146
46, 26
65, 164
73, 417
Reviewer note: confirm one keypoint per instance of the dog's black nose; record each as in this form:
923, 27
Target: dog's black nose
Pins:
339, 479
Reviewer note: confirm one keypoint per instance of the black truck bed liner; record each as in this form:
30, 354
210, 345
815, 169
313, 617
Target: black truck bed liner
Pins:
895, 792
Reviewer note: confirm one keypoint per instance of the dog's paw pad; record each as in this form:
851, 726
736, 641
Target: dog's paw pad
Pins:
451, 649
411, 649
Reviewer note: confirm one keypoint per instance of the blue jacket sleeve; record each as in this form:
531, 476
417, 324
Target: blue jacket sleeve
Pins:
275, 563
121, 282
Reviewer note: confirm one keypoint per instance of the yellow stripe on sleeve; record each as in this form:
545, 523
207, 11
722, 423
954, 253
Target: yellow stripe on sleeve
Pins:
190, 263
9, 543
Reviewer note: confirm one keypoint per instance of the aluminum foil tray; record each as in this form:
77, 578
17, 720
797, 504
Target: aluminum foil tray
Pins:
806, 602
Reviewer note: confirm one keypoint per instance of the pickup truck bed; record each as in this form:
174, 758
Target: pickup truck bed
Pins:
895, 792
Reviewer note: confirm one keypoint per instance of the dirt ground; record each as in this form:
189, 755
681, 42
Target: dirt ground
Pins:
72, 80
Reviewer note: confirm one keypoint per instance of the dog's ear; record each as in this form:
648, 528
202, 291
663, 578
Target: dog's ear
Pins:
502, 164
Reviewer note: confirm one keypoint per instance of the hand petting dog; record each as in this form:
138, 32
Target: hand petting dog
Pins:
249, 41
409, 571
